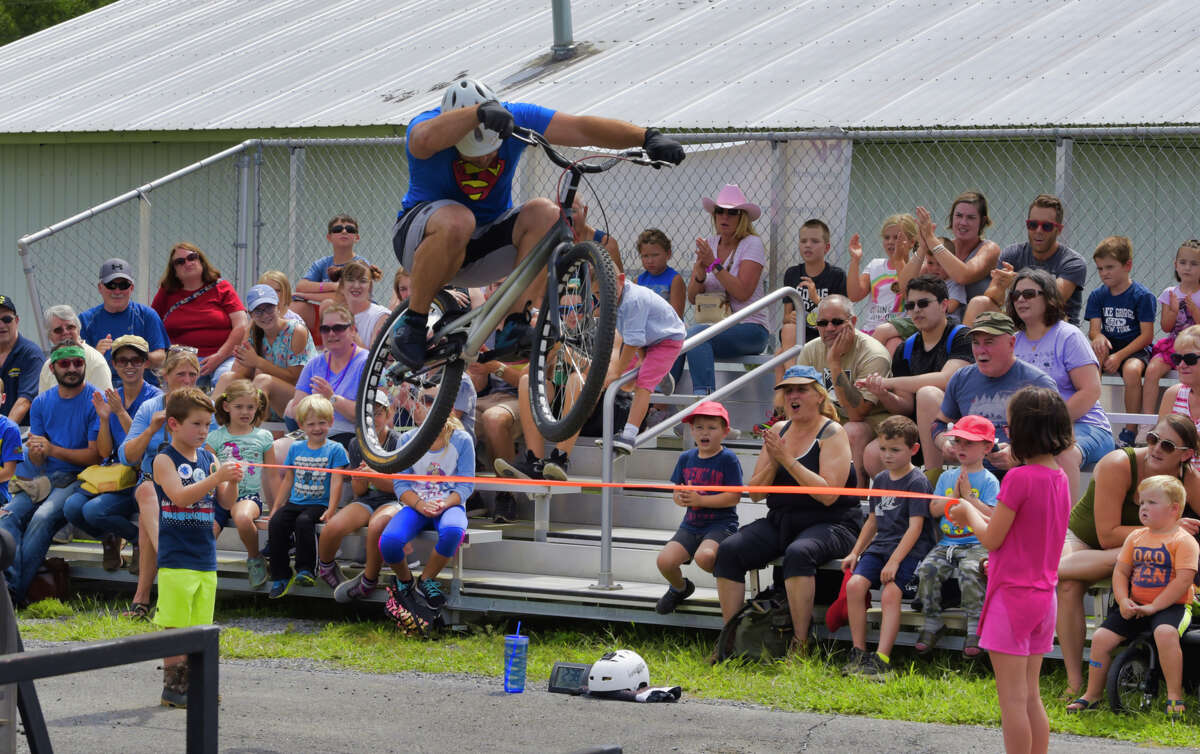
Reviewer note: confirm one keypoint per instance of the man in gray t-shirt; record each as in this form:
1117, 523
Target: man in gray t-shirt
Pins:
1041, 251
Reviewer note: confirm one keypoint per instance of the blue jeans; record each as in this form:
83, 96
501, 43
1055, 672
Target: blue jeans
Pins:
32, 528
743, 339
106, 513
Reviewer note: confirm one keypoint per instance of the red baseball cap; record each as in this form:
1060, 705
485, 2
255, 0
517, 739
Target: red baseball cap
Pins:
974, 428
708, 408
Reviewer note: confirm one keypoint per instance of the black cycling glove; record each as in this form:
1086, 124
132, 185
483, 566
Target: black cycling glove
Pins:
495, 117
659, 147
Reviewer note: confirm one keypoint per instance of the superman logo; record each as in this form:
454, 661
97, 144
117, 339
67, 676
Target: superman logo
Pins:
477, 182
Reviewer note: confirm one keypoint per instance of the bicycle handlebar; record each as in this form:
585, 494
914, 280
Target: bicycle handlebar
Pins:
637, 156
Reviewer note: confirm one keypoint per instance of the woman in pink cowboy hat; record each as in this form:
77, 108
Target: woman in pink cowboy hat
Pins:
731, 263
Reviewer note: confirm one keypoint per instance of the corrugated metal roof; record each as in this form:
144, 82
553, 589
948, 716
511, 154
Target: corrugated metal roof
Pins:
250, 64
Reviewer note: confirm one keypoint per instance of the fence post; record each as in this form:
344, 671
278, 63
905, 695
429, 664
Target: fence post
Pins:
240, 246
295, 190
779, 151
256, 237
143, 261
1063, 169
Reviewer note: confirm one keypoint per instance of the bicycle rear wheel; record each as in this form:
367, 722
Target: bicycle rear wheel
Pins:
569, 362
1132, 682
420, 400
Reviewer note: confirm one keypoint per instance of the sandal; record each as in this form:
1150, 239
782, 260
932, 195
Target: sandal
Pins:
1082, 705
137, 611
928, 640
1176, 709
971, 648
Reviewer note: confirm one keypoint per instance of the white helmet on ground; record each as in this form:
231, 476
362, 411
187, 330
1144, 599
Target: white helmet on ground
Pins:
469, 93
623, 670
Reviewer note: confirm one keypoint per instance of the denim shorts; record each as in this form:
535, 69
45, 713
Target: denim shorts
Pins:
1093, 441
870, 565
691, 536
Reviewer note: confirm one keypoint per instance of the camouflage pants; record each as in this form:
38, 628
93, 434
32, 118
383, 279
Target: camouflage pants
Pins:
952, 561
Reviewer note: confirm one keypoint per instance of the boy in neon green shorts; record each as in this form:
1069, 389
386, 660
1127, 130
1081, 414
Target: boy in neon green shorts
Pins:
189, 482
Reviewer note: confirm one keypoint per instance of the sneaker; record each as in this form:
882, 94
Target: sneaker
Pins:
528, 468
64, 535
506, 508
656, 416
278, 589
874, 667
854, 662
624, 442
305, 578
672, 599
1127, 438
555, 465
515, 339
408, 344
354, 589
432, 592
256, 572
331, 574
666, 385
112, 552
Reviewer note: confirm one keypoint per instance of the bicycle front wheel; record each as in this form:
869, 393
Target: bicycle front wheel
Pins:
569, 361
418, 401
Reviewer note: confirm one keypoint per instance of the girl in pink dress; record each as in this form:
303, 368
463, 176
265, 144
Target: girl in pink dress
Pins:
1025, 535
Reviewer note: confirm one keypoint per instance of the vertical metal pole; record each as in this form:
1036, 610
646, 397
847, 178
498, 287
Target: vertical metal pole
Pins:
243, 222
1064, 166
564, 44
143, 263
778, 204
605, 579
203, 686
35, 301
256, 233
295, 190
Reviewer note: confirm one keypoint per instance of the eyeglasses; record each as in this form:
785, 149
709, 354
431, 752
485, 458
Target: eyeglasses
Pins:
1187, 358
118, 285
918, 304
343, 229
339, 329
1027, 293
8, 319
1045, 225
726, 211
565, 309
131, 361
71, 363
189, 257
64, 329
1153, 439
827, 322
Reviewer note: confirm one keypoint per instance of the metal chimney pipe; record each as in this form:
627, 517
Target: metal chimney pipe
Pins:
564, 45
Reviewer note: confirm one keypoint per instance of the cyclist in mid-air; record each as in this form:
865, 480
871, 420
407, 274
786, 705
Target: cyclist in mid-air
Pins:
458, 223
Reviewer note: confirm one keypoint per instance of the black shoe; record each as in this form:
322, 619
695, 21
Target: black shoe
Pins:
506, 508
408, 344
432, 592
530, 467
515, 339
555, 466
672, 599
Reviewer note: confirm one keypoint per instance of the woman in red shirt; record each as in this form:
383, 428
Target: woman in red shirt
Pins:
201, 310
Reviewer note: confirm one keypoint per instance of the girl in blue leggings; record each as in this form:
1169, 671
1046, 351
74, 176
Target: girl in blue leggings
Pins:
431, 505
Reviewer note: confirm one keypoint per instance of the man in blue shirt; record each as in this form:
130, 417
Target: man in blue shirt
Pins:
20, 362
458, 222
63, 426
120, 315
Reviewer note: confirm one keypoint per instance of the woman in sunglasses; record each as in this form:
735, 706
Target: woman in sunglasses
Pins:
1105, 516
1179, 399
1048, 341
335, 372
729, 265
201, 310
317, 287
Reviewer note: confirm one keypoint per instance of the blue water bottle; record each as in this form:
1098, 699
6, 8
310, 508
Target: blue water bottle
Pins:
516, 649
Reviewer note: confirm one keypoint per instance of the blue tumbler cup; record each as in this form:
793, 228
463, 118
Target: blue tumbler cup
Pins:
516, 648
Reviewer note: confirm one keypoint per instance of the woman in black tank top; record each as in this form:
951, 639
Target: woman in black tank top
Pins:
807, 529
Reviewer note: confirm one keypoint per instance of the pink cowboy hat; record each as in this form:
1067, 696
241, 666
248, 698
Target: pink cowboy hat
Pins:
731, 197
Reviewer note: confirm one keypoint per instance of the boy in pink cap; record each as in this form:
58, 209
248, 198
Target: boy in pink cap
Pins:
711, 516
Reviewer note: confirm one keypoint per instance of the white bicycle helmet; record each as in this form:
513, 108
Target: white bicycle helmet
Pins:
469, 93
623, 670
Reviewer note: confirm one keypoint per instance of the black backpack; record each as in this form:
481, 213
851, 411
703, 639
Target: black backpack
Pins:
761, 631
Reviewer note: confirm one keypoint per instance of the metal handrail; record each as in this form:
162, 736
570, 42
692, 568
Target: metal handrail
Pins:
605, 579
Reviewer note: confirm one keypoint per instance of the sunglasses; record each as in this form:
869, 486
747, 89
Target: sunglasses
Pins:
427, 400
827, 322
339, 329
8, 319
190, 257
565, 309
1027, 293
918, 304
1186, 358
1153, 439
1044, 225
71, 363
343, 229
118, 285
724, 211
129, 361
64, 328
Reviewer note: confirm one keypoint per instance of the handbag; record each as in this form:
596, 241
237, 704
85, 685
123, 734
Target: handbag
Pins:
111, 478
711, 308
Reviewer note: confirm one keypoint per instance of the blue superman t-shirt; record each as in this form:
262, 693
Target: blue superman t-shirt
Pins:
722, 469
487, 192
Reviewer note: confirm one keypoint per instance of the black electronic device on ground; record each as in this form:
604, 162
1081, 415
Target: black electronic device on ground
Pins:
569, 677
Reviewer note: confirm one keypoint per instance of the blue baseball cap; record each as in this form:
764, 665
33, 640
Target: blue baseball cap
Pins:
259, 295
801, 374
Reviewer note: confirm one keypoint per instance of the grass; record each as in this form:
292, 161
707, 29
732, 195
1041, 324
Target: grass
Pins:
945, 690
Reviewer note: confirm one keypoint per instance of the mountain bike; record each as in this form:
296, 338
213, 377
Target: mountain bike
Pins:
572, 342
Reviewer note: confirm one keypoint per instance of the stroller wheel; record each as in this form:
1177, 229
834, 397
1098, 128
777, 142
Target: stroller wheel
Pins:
1133, 679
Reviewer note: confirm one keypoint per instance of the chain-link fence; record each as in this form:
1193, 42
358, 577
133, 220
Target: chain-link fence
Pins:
265, 204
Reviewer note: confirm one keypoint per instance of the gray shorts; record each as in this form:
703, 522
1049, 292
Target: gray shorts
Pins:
490, 253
